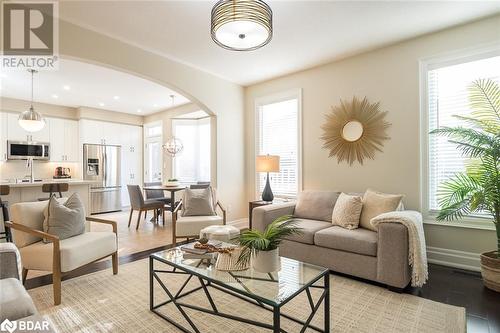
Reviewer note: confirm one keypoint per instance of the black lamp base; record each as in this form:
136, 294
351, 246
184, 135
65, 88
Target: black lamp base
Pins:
267, 194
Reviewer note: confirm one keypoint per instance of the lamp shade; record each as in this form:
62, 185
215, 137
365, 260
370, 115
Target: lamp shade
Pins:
268, 163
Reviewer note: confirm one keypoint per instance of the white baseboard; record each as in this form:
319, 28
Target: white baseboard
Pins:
241, 223
454, 258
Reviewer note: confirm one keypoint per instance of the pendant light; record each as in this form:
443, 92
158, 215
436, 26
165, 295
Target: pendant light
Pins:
31, 120
241, 25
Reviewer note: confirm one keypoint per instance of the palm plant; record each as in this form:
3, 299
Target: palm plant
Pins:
254, 241
478, 188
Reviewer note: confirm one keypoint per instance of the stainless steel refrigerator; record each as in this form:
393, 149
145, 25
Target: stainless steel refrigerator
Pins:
101, 165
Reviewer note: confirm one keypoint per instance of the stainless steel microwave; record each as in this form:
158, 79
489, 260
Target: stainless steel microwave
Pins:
23, 150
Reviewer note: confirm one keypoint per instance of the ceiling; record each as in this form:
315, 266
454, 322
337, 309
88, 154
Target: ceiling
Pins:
78, 84
306, 33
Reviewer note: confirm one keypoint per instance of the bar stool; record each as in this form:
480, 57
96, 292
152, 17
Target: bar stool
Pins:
4, 210
54, 188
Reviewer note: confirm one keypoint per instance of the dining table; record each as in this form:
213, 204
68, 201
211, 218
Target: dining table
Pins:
171, 189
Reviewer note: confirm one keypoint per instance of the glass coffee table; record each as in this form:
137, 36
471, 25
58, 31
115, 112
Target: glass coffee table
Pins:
269, 291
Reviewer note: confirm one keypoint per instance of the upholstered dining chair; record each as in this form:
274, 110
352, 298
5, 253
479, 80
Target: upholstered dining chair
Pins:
190, 226
158, 195
138, 203
59, 256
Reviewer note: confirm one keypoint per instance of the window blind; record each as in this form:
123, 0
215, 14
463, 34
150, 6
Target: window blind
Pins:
278, 135
448, 95
193, 163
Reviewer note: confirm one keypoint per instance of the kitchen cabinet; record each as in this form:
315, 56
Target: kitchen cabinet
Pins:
63, 140
100, 132
131, 138
16, 133
3, 136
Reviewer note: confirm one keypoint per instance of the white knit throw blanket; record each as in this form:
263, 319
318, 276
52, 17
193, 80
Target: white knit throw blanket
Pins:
417, 254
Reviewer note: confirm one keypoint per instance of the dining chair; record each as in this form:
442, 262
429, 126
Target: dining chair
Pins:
52, 188
158, 195
138, 203
199, 185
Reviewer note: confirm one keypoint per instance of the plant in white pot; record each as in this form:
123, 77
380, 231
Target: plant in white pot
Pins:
263, 247
477, 189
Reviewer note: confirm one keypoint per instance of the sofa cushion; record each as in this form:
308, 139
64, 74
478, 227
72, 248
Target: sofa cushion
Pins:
316, 205
307, 230
191, 225
75, 251
361, 241
376, 203
15, 303
347, 211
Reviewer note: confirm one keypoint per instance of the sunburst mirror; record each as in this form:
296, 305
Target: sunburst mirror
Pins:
355, 130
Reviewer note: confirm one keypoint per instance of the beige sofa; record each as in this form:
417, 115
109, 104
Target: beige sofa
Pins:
378, 256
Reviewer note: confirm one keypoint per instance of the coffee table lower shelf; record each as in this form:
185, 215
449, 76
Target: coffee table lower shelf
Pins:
206, 283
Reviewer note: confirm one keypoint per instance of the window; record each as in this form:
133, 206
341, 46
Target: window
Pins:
278, 133
193, 163
446, 96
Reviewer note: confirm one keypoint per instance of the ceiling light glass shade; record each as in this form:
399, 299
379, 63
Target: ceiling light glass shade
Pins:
242, 25
173, 146
31, 120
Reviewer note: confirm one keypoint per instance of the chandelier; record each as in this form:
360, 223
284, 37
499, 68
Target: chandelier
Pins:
241, 25
173, 146
30, 120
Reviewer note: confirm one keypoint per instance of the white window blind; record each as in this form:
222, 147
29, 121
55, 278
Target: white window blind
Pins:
193, 163
448, 95
278, 134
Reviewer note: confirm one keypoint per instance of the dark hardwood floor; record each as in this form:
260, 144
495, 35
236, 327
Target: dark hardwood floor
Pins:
446, 285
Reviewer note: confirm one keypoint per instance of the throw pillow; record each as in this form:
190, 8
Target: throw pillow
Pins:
66, 219
316, 205
376, 203
347, 211
198, 202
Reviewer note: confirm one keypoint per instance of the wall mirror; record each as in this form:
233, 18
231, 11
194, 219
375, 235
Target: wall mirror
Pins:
354, 130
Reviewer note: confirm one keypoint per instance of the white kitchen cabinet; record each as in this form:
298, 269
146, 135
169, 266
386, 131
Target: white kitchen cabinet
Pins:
16, 133
112, 133
91, 131
63, 140
131, 139
3, 136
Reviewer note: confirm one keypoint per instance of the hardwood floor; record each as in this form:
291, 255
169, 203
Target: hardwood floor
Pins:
446, 285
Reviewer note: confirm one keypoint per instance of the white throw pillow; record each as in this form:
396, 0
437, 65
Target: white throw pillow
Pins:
347, 211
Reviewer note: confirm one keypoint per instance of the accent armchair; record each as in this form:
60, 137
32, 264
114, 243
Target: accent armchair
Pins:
58, 256
190, 226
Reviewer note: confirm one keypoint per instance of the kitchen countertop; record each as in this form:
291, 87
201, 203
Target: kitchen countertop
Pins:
48, 181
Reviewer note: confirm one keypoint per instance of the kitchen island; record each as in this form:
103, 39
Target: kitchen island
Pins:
26, 192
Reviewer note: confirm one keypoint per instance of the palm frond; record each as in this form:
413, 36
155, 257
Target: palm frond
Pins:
484, 97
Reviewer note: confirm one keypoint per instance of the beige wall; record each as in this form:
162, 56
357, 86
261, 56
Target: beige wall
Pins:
389, 75
210, 93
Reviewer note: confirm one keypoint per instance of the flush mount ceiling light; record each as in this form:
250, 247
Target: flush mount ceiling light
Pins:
241, 25
31, 120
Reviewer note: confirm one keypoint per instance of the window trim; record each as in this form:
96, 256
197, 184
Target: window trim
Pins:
425, 65
275, 98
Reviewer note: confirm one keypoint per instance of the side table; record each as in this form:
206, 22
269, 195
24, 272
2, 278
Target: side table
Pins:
252, 205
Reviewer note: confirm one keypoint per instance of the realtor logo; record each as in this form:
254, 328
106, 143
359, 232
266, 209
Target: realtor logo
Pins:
30, 35
8, 326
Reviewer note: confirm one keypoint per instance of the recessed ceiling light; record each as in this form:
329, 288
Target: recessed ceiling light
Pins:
101, 104
139, 110
66, 87
116, 97
55, 96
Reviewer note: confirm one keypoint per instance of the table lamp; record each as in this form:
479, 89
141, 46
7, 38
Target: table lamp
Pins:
268, 163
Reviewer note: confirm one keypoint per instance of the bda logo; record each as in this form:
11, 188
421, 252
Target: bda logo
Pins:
9, 326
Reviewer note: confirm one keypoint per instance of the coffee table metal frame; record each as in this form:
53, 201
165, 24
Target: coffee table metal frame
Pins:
247, 296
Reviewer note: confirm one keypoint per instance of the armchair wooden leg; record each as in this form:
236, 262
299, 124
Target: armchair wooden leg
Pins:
114, 259
25, 274
130, 217
56, 284
138, 220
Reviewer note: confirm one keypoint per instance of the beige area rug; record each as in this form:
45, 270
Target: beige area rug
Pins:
101, 302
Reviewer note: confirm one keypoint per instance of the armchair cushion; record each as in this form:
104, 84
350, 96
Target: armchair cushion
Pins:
316, 205
361, 241
10, 261
15, 303
64, 220
75, 251
191, 225
308, 229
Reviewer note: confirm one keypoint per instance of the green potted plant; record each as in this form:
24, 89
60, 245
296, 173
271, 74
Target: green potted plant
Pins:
477, 190
262, 247
172, 182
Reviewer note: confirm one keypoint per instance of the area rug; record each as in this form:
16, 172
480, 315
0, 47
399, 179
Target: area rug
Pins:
101, 302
